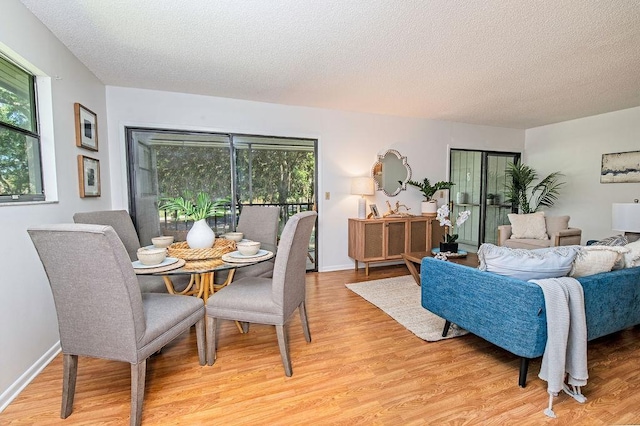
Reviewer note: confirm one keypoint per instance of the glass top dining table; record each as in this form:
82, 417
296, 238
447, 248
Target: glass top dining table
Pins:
202, 272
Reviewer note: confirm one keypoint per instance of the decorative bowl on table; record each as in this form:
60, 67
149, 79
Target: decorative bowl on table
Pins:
162, 241
234, 236
248, 248
151, 256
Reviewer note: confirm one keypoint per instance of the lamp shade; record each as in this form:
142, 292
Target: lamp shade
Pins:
362, 186
625, 217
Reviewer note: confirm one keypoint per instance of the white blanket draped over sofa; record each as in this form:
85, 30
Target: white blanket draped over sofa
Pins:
566, 349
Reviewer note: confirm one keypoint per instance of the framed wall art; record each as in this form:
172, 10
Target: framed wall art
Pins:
86, 128
89, 176
620, 167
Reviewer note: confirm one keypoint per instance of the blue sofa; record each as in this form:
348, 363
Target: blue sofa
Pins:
510, 313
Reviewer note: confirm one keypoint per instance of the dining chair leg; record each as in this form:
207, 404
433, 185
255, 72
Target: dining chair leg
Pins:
200, 341
211, 339
284, 349
69, 375
305, 323
138, 377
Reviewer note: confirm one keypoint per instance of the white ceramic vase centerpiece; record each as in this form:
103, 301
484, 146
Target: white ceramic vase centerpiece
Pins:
429, 206
200, 235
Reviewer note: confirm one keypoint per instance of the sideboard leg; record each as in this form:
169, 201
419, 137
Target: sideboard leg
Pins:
524, 366
356, 262
366, 268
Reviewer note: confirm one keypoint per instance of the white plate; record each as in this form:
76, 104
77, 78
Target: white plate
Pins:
167, 261
237, 254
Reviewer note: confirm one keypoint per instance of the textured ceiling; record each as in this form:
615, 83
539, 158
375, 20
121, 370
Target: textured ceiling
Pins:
509, 63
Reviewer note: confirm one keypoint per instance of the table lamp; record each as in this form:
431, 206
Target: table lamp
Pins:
362, 186
625, 217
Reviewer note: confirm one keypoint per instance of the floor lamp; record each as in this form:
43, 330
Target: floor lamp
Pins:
625, 217
362, 186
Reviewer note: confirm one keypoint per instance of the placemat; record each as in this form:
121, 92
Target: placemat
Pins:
229, 259
179, 264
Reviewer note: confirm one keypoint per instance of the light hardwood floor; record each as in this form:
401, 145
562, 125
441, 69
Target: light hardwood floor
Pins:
360, 368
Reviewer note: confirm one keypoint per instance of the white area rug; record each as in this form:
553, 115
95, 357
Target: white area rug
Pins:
400, 298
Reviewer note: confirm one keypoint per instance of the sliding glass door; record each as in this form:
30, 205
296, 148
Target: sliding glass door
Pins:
480, 178
235, 169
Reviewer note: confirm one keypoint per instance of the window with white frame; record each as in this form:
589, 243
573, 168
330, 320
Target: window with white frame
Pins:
20, 160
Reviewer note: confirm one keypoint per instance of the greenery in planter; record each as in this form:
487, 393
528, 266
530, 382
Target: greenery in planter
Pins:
429, 190
202, 208
520, 189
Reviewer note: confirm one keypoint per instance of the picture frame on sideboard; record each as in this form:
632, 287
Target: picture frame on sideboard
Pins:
374, 211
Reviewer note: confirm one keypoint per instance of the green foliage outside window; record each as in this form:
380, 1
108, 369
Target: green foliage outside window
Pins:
20, 167
277, 176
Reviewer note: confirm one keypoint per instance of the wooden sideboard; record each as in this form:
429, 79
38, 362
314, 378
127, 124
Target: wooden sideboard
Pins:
381, 240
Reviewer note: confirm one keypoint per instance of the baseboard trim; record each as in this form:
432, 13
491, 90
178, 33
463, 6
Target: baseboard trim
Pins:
16, 387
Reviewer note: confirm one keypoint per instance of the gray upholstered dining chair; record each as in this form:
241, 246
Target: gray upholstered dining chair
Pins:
257, 223
101, 311
268, 300
121, 222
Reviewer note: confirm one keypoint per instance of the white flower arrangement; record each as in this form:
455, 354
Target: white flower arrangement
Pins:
443, 217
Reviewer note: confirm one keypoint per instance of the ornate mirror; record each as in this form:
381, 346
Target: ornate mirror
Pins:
391, 173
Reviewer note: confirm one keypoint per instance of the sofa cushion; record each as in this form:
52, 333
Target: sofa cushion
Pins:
556, 224
530, 225
525, 264
632, 258
596, 259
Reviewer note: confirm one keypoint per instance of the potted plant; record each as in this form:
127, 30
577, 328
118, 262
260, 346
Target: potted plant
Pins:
521, 191
429, 205
200, 235
491, 199
450, 243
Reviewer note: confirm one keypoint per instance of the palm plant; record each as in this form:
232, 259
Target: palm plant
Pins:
520, 189
202, 208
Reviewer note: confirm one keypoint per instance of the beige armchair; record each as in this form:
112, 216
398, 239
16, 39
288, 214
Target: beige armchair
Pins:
558, 231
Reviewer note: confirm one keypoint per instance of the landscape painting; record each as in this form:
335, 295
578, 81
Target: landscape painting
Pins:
620, 167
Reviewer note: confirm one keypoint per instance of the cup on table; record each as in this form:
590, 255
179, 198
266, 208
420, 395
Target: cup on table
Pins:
234, 236
248, 248
163, 241
151, 256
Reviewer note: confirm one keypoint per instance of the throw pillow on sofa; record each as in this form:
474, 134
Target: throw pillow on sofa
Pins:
530, 226
632, 258
616, 240
594, 259
526, 264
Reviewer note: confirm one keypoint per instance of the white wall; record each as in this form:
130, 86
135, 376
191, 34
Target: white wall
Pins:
575, 148
348, 145
28, 324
